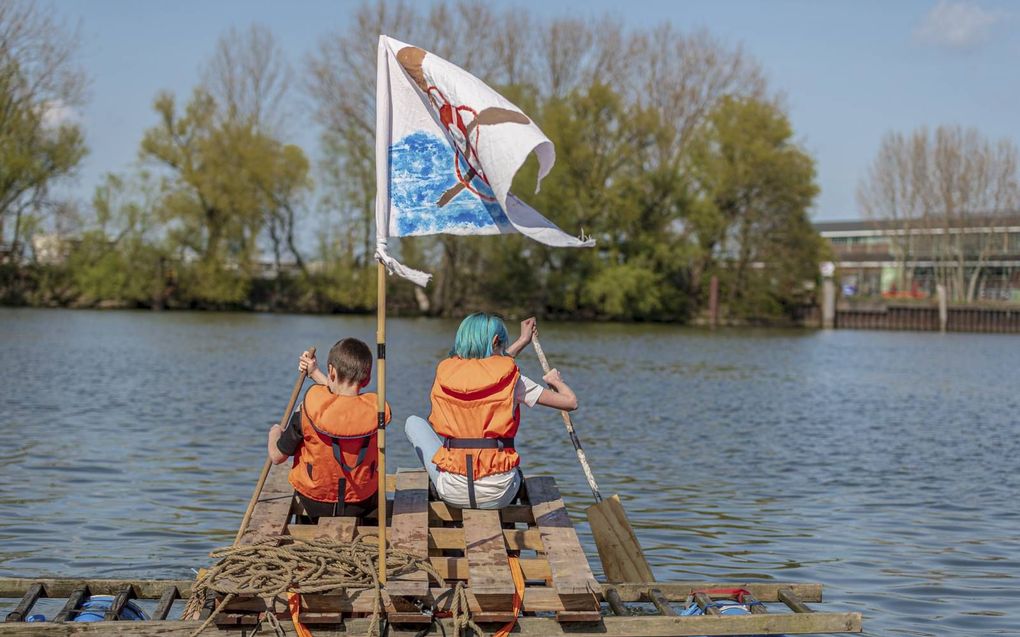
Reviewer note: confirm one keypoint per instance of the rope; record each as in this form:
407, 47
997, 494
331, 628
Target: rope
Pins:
276, 566
460, 611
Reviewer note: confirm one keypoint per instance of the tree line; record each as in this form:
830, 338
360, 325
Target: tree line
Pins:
672, 152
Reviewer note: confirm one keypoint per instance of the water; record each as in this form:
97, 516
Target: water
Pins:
883, 465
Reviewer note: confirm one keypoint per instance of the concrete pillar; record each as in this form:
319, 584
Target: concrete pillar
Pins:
828, 296
940, 291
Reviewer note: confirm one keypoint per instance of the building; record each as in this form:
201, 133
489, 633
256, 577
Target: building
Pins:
978, 258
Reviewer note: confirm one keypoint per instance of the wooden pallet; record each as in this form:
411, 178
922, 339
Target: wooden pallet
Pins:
463, 545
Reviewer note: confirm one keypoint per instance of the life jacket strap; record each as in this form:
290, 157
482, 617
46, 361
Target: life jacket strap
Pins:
470, 463
479, 443
339, 456
341, 502
341, 487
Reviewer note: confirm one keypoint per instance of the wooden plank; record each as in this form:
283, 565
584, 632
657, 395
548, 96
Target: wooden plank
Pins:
14, 587
271, 514
755, 606
571, 573
790, 598
536, 599
342, 529
661, 603
489, 574
516, 539
456, 568
166, 602
705, 602
28, 600
678, 591
615, 603
765, 591
74, 602
772, 624
440, 511
409, 530
120, 600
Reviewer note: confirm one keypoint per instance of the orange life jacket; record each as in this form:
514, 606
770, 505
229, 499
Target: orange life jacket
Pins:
339, 446
472, 399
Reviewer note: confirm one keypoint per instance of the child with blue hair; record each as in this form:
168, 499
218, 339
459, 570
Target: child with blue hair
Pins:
467, 444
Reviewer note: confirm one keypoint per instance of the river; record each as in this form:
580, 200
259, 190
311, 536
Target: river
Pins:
885, 465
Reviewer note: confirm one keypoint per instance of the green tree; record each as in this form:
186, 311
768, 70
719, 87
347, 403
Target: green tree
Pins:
225, 183
39, 85
754, 187
122, 259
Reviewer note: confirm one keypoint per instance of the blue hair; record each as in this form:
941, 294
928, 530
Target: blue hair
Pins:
475, 335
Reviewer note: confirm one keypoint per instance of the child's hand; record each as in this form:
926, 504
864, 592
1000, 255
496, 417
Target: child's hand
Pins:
529, 327
308, 364
553, 378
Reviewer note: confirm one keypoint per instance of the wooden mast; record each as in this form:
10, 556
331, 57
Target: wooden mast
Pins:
380, 339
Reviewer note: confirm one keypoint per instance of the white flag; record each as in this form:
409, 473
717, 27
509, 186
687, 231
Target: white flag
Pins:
447, 148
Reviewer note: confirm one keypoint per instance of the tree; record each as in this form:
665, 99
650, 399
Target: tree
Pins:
620, 105
755, 187
944, 191
39, 84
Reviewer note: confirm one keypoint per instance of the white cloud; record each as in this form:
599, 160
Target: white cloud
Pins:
56, 112
957, 25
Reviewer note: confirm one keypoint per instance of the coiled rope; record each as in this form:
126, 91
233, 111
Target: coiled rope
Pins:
276, 566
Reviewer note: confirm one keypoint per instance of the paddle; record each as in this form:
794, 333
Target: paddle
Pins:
298, 384
621, 555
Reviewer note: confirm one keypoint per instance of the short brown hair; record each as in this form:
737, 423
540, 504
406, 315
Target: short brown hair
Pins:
352, 361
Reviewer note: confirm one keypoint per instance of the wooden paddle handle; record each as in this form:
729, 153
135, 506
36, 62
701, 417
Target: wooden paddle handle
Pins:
581, 457
298, 384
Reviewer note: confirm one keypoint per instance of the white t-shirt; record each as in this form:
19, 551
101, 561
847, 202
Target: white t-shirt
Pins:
453, 487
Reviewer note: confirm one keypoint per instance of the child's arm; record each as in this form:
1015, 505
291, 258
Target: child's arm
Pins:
310, 366
528, 329
560, 396
275, 455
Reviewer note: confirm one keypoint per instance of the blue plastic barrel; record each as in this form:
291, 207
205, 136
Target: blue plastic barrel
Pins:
95, 607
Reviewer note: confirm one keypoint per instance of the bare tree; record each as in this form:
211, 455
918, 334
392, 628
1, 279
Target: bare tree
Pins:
249, 76
944, 194
685, 75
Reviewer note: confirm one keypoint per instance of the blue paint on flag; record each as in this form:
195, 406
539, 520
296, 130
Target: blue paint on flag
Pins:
421, 171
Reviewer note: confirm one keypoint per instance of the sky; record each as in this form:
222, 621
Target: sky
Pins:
850, 71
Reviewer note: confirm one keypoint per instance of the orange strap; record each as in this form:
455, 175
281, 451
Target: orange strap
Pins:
294, 605
518, 575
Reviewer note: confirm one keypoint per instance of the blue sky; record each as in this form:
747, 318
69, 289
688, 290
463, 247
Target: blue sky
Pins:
850, 71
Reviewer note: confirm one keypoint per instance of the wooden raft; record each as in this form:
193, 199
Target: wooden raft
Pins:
474, 546
560, 597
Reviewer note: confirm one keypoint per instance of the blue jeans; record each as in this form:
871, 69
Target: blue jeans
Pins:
426, 443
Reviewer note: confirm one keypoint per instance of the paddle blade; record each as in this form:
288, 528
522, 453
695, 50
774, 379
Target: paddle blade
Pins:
621, 555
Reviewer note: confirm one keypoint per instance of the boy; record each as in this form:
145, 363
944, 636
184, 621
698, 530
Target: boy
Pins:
333, 436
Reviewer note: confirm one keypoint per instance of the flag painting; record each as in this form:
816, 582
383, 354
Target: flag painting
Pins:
447, 150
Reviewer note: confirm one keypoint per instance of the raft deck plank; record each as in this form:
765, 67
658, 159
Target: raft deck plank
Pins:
488, 567
571, 573
409, 531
